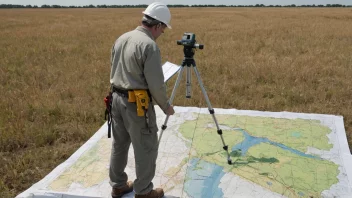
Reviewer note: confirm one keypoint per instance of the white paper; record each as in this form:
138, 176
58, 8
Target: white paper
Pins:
170, 69
348, 163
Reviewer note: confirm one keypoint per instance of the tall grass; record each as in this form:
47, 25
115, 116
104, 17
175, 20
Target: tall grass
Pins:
54, 72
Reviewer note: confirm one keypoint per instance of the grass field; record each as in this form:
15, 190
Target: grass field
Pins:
54, 72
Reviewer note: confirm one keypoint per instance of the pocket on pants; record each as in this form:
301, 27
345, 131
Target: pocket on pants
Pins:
149, 138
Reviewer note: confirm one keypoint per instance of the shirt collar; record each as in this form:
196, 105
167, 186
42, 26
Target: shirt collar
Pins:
146, 31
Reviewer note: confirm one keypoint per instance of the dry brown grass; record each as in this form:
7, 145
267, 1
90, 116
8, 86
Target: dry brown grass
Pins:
54, 70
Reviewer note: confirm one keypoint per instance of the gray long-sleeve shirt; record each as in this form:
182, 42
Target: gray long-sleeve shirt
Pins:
136, 64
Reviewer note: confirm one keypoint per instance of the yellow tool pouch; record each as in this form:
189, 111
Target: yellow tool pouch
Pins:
131, 96
142, 100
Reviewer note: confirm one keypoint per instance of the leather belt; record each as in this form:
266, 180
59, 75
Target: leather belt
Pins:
121, 92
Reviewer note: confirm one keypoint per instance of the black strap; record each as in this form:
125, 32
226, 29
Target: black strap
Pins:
108, 112
120, 91
150, 95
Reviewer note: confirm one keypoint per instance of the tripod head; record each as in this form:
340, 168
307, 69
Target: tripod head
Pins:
189, 42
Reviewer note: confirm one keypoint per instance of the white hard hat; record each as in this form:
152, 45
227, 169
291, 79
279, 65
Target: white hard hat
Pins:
160, 12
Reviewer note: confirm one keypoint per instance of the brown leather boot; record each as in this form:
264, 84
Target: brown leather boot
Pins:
119, 192
157, 193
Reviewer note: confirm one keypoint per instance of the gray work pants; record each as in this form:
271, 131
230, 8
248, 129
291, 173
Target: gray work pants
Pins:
128, 127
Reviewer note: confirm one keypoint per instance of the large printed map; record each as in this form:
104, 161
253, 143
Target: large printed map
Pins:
274, 155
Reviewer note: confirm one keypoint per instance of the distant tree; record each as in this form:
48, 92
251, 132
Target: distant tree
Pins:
89, 6
178, 5
172, 5
11, 6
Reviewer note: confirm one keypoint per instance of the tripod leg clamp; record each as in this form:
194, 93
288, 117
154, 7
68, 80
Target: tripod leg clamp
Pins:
220, 132
229, 162
163, 127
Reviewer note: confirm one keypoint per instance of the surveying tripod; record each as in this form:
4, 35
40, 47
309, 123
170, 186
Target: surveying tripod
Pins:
190, 62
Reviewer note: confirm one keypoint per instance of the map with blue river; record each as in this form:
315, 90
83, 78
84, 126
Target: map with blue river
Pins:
203, 177
274, 155
250, 141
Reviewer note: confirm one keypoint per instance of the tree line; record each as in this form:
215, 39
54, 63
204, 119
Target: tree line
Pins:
175, 6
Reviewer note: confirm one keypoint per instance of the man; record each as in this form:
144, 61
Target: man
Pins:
136, 65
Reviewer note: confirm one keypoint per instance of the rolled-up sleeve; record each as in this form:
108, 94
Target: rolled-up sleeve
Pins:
154, 76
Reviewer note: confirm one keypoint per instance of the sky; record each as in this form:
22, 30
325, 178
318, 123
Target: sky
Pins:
184, 2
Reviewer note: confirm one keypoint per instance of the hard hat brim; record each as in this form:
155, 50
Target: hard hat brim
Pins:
168, 25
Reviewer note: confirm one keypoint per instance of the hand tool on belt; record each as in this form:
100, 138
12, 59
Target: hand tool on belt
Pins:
108, 104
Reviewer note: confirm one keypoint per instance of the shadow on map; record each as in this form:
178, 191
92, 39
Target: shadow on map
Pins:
131, 195
243, 160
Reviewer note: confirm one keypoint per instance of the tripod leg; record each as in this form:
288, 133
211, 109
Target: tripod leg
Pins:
188, 83
171, 100
212, 112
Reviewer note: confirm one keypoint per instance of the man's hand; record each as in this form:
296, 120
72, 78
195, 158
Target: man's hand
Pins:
170, 110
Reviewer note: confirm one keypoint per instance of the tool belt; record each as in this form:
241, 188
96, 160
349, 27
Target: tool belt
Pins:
141, 97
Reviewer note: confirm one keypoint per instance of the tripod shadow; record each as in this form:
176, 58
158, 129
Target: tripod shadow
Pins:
131, 195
